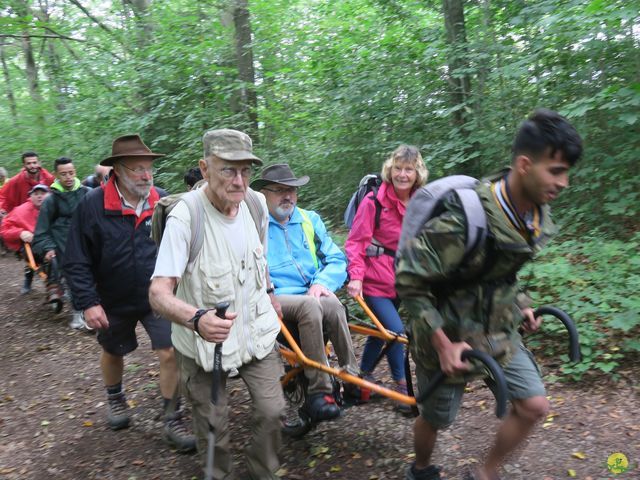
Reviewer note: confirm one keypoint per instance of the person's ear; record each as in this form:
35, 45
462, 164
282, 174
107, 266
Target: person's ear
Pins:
522, 164
204, 167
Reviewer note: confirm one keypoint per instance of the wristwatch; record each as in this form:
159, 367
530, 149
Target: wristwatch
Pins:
196, 319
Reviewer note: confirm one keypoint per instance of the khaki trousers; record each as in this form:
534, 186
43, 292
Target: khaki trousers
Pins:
314, 319
262, 378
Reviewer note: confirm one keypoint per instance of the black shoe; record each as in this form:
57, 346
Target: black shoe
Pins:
26, 286
353, 395
430, 473
321, 407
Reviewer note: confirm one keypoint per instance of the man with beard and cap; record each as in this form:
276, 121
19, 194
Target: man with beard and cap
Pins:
50, 236
306, 268
229, 266
109, 259
16, 191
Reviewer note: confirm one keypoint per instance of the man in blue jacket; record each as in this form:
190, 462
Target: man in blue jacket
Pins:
306, 268
109, 259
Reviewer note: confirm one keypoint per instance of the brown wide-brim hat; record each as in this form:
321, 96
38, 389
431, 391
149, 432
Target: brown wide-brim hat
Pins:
129, 146
281, 174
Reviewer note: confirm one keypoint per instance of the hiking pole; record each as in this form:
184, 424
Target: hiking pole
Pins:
221, 310
496, 373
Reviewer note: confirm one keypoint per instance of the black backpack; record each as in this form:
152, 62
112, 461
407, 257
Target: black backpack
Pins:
369, 183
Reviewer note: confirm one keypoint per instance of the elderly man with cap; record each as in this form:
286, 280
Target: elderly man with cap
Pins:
109, 258
306, 268
212, 251
18, 226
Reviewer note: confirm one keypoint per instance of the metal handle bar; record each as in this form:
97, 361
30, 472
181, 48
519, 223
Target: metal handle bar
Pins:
574, 342
493, 367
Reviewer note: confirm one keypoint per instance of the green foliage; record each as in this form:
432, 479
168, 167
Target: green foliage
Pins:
596, 281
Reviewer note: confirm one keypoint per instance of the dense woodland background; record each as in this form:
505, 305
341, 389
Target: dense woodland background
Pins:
333, 86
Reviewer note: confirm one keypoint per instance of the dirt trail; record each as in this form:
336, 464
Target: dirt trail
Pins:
52, 418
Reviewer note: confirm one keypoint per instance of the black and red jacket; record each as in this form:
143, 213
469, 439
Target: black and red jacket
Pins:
110, 255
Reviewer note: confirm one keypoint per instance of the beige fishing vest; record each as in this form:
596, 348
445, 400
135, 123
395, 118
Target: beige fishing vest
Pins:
216, 277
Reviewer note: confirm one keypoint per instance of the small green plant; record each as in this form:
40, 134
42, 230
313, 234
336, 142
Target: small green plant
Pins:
596, 281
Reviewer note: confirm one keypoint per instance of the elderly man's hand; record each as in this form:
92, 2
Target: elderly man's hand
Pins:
317, 290
26, 236
96, 318
49, 255
215, 329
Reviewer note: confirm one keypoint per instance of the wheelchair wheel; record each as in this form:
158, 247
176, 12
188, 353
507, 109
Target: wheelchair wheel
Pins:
296, 423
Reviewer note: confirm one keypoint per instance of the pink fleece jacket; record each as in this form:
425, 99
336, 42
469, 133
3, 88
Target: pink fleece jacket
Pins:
377, 273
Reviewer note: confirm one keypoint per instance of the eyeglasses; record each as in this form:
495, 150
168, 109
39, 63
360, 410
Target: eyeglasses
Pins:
230, 172
139, 171
281, 190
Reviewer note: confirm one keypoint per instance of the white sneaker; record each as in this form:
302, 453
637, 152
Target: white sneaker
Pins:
77, 322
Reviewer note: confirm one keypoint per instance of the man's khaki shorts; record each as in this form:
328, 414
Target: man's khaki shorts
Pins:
523, 378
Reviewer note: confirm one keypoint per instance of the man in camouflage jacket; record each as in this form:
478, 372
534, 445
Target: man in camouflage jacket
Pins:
456, 303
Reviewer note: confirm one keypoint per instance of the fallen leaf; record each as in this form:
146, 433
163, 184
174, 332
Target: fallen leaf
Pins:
579, 455
87, 423
138, 462
571, 472
336, 468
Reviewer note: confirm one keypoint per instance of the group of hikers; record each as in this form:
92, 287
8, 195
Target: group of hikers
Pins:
246, 242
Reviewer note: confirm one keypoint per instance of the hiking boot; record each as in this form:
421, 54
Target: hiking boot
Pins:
176, 433
26, 286
118, 415
353, 395
403, 408
430, 473
321, 407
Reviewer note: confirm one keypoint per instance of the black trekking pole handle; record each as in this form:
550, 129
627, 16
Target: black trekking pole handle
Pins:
574, 341
496, 373
221, 310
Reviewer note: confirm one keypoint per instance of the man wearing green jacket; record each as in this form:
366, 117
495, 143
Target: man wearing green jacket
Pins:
50, 236
457, 301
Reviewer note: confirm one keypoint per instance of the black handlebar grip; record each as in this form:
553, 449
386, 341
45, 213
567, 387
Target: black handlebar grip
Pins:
493, 367
574, 342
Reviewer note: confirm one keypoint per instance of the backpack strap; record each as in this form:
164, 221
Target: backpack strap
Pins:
310, 235
476, 219
257, 212
196, 213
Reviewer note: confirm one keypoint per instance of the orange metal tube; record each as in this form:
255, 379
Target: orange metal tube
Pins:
32, 261
341, 374
386, 335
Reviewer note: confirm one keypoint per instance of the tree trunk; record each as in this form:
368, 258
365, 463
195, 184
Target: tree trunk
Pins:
21, 7
7, 80
244, 57
145, 25
460, 83
52, 62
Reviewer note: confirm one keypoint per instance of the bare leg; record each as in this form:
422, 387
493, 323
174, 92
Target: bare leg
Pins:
112, 367
514, 430
168, 372
424, 441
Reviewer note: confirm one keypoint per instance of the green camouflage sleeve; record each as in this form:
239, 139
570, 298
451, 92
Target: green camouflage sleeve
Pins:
430, 258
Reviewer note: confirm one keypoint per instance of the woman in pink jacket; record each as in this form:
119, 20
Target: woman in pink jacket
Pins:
371, 249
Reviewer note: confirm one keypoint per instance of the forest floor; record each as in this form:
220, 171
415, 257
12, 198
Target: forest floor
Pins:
52, 425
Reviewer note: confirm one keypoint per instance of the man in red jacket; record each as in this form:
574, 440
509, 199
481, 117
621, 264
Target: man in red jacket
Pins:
18, 226
16, 191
